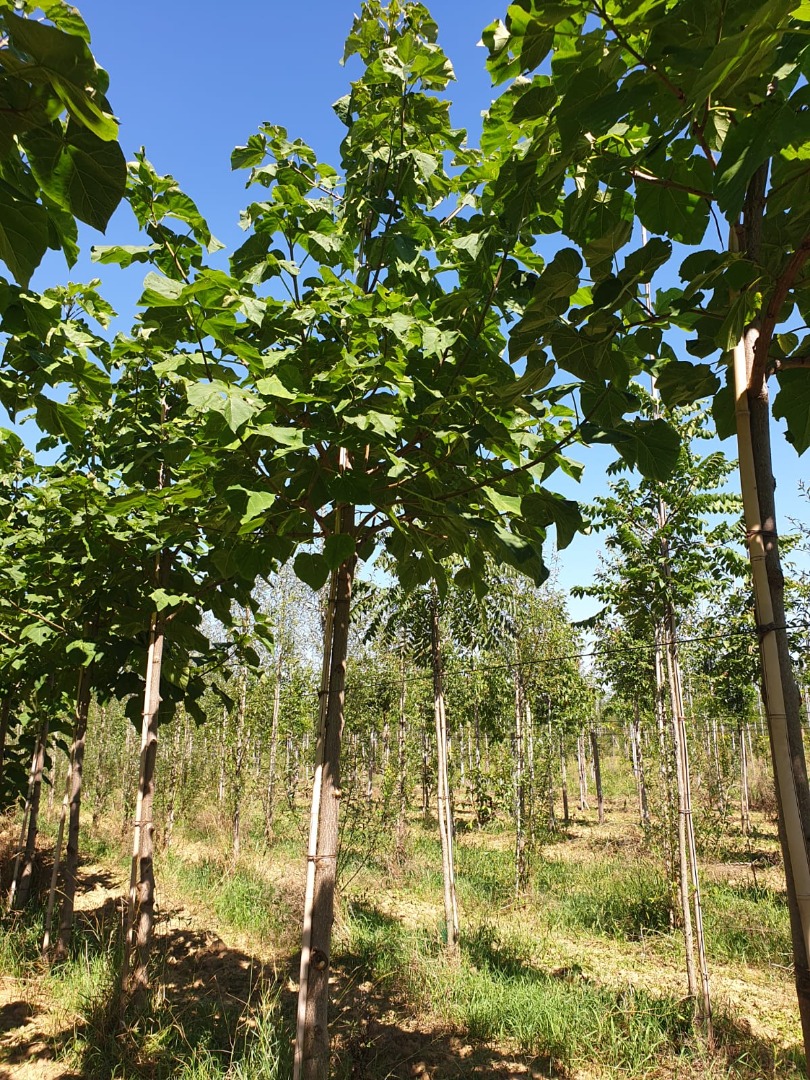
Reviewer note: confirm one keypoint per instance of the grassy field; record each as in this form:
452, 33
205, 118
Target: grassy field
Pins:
582, 978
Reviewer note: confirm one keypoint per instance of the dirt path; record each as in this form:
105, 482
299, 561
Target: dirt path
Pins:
34, 1023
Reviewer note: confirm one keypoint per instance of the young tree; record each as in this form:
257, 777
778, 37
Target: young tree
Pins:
683, 119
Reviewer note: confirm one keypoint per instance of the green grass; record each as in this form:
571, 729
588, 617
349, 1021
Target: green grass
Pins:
494, 993
614, 897
746, 924
240, 898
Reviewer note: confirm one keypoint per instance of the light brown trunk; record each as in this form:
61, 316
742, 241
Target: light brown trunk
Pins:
745, 813
312, 1034
402, 780
27, 873
239, 765
597, 776
583, 776
5, 709
270, 805
686, 825
141, 907
57, 857
74, 810
779, 690
521, 872
443, 784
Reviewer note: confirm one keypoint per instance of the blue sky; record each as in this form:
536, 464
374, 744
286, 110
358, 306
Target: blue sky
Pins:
190, 79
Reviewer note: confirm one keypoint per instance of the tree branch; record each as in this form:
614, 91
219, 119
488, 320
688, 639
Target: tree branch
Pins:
780, 293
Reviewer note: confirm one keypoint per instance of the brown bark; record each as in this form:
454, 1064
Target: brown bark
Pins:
402, 780
597, 776
27, 873
779, 689
312, 1036
686, 821
141, 906
5, 709
564, 781
270, 804
745, 815
74, 810
444, 806
521, 867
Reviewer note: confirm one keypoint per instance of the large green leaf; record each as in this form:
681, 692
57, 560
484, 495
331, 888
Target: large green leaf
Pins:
337, 548
23, 235
682, 383
312, 569
64, 61
652, 446
79, 171
669, 211
792, 404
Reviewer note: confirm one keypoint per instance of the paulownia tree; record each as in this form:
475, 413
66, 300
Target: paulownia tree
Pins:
691, 119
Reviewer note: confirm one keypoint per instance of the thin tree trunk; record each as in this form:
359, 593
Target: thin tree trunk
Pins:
583, 776
57, 858
564, 780
312, 1034
597, 775
425, 775
779, 690
638, 766
239, 765
402, 780
745, 814
521, 874
5, 709
665, 767
271, 771
685, 816
141, 907
26, 876
223, 739
443, 785
29, 799
74, 809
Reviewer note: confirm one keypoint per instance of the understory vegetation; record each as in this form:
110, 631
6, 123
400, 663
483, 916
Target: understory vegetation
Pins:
579, 977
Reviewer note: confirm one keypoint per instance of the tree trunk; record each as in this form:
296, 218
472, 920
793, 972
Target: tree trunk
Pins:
312, 1035
521, 874
665, 766
745, 813
402, 780
29, 798
57, 857
443, 784
425, 775
5, 709
638, 766
141, 907
74, 810
597, 776
223, 740
271, 770
685, 820
564, 780
239, 765
779, 690
583, 776
24, 888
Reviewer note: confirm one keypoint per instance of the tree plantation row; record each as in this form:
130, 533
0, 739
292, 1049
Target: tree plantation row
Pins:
390, 370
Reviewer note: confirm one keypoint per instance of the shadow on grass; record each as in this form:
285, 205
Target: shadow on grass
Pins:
495, 999
205, 1018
